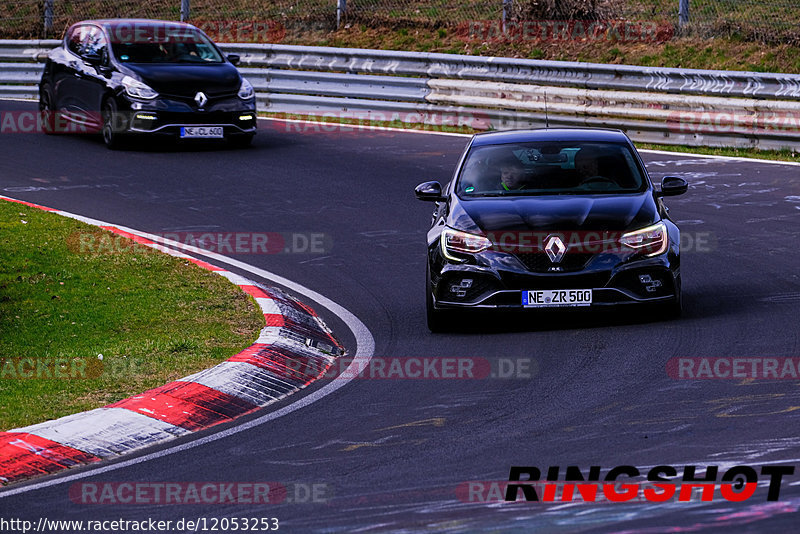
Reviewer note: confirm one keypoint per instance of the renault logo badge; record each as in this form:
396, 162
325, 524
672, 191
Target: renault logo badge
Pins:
555, 248
201, 99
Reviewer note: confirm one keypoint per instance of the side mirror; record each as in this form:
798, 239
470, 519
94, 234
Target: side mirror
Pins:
672, 186
234, 58
429, 191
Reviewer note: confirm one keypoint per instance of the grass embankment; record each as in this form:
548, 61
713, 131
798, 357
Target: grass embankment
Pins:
720, 53
153, 317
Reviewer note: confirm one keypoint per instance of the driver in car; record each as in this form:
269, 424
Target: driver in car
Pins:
586, 164
512, 174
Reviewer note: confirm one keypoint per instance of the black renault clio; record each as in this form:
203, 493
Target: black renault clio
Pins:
551, 218
127, 77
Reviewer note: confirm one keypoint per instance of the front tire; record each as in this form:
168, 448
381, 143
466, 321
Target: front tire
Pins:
47, 110
111, 130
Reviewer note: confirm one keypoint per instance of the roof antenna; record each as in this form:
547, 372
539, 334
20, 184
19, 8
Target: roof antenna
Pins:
546, 119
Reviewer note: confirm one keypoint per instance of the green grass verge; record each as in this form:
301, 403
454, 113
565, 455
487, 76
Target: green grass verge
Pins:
777, 155
717, 53
153, 317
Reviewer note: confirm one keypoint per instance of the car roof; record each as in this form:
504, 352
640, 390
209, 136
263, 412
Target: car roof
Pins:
550, 134
114, 23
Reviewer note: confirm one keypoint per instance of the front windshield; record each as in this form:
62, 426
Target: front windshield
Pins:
163, 44
549, 168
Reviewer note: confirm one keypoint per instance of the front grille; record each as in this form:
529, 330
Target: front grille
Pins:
188, 98
538, 261
574, 281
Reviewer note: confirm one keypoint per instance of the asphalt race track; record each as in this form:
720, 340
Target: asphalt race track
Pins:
395, 454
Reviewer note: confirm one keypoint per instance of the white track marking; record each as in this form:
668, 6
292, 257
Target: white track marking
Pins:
712, 156
365, 347
454, 134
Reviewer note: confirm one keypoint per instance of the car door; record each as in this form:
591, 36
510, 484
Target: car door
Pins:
65, 71
92, 73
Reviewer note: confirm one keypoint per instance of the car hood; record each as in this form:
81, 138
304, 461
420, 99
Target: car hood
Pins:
188, 79
555, 213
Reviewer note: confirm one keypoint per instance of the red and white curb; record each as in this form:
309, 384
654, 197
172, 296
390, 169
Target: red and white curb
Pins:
293, 349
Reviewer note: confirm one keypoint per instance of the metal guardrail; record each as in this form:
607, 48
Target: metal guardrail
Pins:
559, 73
657, 105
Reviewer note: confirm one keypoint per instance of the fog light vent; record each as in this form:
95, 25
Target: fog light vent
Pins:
650, 285
460, 289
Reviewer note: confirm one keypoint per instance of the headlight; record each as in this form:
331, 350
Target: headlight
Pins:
137, 89
651, 241
455, 241
246, 90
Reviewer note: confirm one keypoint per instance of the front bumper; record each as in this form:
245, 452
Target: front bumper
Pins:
166, 116
499, 283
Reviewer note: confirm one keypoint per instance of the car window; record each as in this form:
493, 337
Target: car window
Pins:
94, 42
163, 44
549, 168
75, 39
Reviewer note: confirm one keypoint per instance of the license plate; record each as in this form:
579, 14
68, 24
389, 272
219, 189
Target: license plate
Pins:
208, 132
557, 298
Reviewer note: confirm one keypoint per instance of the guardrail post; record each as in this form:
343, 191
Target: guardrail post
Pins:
683, 13
506, 12
184, 10
341, 5
48, 17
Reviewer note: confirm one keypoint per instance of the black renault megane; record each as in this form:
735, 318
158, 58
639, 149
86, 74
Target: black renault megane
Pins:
127, 77
551, 218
